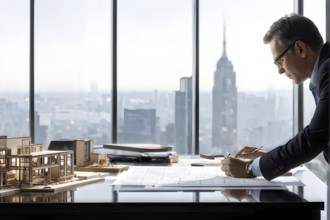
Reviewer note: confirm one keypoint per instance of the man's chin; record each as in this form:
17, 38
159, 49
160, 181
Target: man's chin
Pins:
295, 81
298, 82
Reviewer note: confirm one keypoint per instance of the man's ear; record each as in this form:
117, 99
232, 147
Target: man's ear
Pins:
301, 48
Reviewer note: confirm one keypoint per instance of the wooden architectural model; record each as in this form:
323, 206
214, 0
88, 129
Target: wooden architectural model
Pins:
83, 151
27, 167
84, 157
23, 164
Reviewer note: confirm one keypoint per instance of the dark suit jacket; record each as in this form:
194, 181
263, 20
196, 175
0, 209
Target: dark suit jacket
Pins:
313, 139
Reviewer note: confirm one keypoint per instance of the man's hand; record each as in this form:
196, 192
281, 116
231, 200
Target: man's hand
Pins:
248, 152
235, 167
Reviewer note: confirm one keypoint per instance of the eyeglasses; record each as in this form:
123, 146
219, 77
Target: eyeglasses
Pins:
278, 62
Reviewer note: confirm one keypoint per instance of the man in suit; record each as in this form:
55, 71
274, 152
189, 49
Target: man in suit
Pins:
300, 53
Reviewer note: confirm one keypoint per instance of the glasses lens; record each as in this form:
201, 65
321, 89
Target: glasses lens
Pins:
278, 61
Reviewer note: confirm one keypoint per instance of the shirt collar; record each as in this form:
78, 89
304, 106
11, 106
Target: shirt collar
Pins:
314, 72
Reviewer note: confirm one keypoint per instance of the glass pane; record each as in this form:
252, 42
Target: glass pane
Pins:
243, 99
73, 70
316, 12
14, 67
154, 72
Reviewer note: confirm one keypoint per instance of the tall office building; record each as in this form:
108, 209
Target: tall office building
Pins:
224, 105
183, 117
40, 131
140, 126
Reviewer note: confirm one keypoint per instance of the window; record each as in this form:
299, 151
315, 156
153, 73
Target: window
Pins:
14, 67
243, 99
316, 12
154, 67
72, 70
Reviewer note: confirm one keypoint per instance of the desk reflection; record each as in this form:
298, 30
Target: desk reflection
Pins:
101, 200
260, 195
28, 197
96, 193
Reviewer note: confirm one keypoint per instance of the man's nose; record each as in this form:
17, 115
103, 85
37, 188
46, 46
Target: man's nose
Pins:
281, 70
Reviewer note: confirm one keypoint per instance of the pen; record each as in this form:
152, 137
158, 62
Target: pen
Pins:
228, 154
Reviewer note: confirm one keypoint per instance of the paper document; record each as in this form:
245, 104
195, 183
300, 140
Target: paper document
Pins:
194, 177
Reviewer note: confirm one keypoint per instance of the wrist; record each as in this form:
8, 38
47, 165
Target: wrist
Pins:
249, 169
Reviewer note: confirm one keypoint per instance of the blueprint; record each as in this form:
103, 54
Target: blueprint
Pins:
202, 177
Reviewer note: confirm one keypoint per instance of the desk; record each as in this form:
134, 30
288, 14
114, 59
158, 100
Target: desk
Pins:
99, 200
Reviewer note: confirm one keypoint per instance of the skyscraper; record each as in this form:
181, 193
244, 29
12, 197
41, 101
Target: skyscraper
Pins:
224, 104
183, 117
140, 126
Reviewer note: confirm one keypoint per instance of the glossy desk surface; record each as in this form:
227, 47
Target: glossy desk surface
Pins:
100, 199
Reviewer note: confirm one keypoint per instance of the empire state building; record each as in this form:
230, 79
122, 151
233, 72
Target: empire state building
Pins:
224, 105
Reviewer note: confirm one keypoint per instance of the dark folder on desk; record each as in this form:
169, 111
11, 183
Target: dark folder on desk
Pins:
141, 153
139, 147
140, 158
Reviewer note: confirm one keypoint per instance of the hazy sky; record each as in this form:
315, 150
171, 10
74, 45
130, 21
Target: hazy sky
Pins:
72, 43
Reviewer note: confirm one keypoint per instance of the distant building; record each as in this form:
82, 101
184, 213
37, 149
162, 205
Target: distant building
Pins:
224, 105
183, 117
40, 130
140, 126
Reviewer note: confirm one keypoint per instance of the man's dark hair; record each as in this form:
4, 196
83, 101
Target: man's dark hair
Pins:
293, 27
